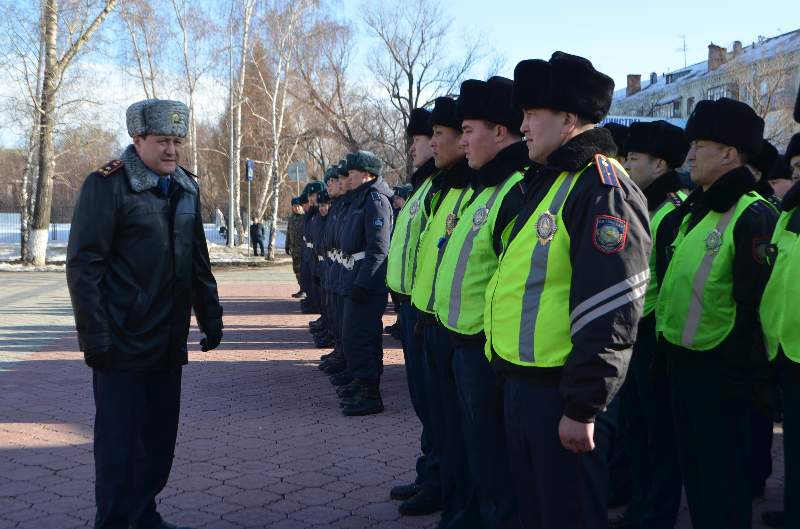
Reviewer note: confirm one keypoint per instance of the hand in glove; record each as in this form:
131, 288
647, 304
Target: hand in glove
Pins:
213, 332
97, 358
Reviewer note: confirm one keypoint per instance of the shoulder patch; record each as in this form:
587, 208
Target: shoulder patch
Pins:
377, 222
763, 251
110, 167
675, 199
375, 196
607, 171
610, 234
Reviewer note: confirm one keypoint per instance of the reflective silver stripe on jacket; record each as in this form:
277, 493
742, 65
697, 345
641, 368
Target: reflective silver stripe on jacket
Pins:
699, 286
534, 284
461, 265
613, 297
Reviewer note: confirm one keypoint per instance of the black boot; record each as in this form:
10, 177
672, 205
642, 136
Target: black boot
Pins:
404, 492
341, 379
773, 518
367, 402
426, 501
334, 368
348, 391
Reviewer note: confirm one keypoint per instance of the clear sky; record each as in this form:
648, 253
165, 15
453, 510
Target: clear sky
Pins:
618, 36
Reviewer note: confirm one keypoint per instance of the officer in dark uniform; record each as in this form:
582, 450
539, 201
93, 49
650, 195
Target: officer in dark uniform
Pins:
366, 233
654, 151
563, 306
423, 495
332, 363
320, 332
137, 264
707, 317
294, 240
342, 378
310, 305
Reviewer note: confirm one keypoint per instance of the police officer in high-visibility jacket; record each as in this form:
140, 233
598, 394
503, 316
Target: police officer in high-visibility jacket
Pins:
423, 496
451, 193
493, 146
655, 150
563, 306
781, 327
707, 312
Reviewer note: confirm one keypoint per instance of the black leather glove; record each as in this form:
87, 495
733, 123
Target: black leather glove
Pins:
359, 294
288, 251
98, 358
213, 331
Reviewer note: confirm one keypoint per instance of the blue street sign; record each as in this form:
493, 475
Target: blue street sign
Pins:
250, 170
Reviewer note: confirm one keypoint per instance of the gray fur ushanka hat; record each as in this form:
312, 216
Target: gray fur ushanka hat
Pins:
157, 116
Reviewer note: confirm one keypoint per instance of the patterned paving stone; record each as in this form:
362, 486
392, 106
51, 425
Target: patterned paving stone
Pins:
261, 444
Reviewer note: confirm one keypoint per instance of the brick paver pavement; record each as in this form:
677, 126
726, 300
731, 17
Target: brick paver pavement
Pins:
261, 443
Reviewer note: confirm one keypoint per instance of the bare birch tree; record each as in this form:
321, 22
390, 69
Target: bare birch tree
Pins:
54, 67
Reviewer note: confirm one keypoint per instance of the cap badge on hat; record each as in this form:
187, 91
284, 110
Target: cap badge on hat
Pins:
713, 242
176, 118
479, 218
413, 209
546, 227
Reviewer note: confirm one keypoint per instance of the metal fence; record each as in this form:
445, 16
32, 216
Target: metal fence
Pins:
59, 230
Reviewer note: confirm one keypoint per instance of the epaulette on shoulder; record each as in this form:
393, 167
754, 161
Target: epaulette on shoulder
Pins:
675, 199
607, 171
110, 167
188, 172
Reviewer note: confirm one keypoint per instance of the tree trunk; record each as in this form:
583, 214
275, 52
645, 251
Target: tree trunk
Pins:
273, 221
44, 191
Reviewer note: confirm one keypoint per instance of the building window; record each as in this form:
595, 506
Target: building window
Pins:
667, 110
730, 90
689, 105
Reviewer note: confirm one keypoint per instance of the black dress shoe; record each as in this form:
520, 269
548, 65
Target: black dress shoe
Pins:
348, 390
334, 368
404, 492
424, 502
773, 518
299, 294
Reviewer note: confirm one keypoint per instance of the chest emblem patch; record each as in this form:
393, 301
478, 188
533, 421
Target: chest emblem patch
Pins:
713, 242
413, 209
546, 227
479, 218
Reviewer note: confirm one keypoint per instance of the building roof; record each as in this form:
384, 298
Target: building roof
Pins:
763, 49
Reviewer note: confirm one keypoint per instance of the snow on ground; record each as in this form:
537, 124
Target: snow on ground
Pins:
220, 255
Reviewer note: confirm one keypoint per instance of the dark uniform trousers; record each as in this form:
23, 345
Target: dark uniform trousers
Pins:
362, 336
307, 279
790, 383
136, 424
650, 434
556, 489
711, 404
480, 395
256, 245
459, 496
428, 462
333, 320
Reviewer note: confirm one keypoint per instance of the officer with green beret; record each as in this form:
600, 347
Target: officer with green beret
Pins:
563, 306
654, 151
137, 266
366, 232
707, 312
294, 240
